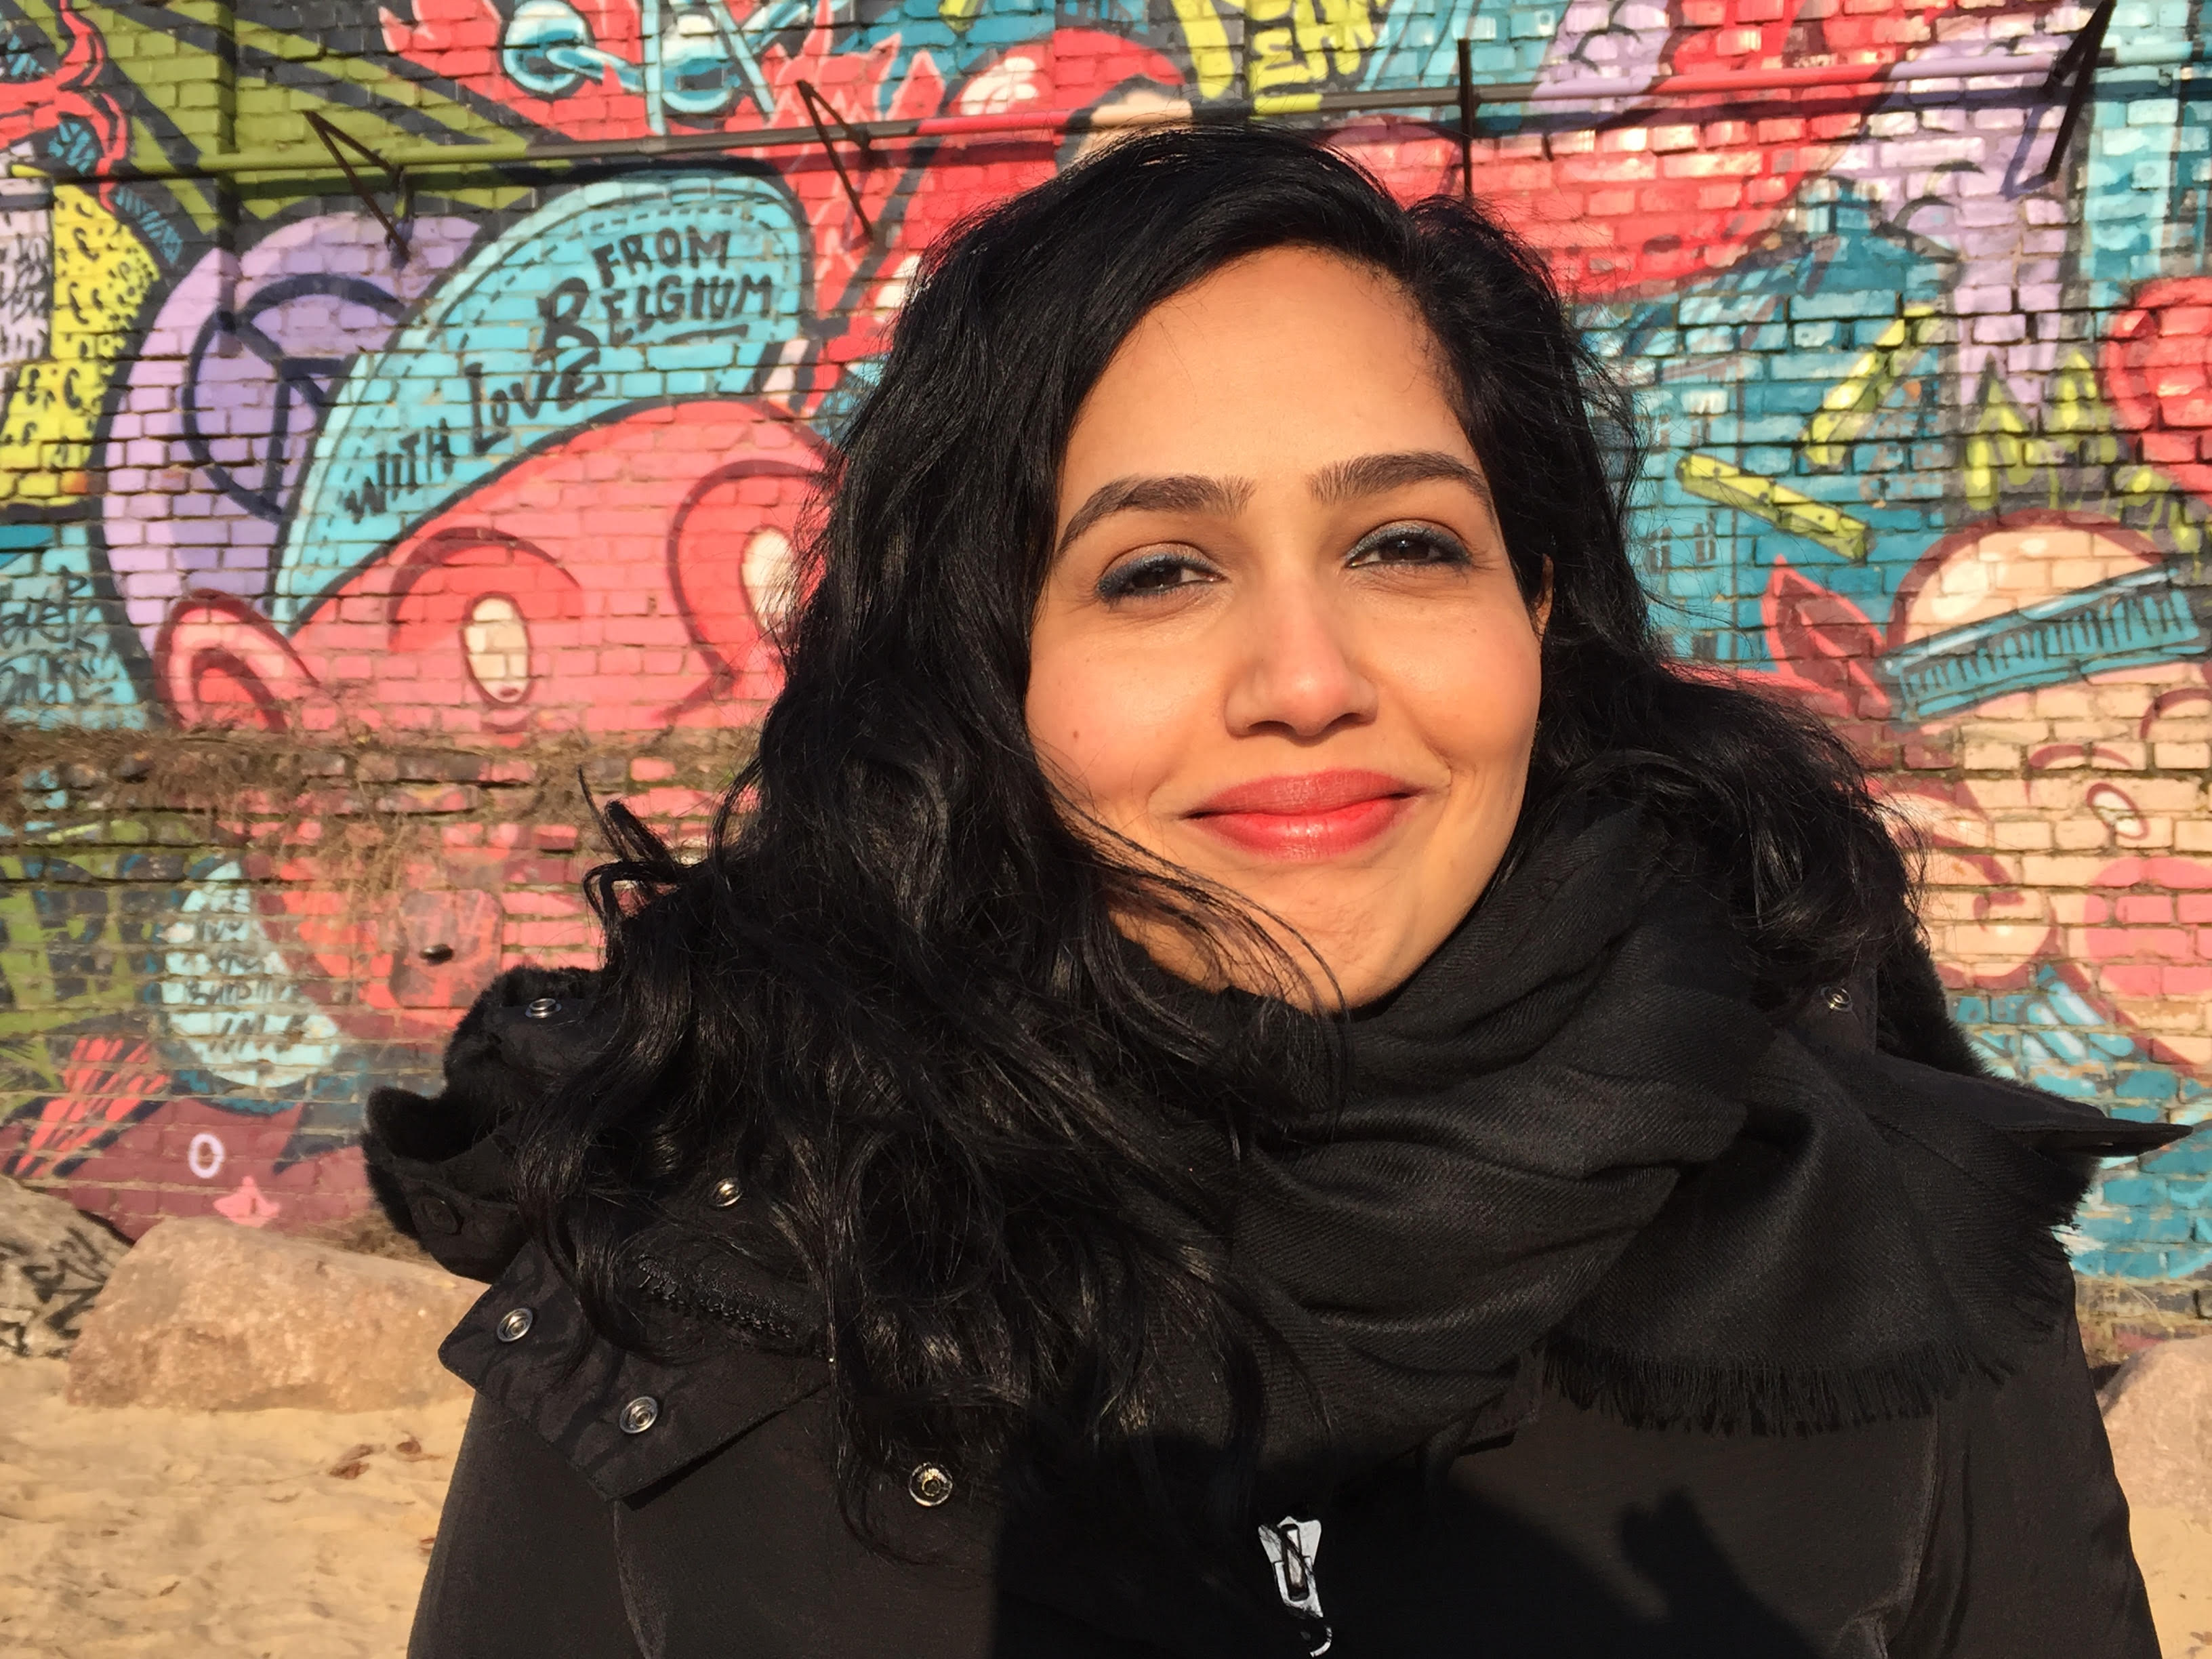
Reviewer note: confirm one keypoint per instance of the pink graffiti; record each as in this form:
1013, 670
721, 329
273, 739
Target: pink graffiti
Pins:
2069, 853
2158, 367
33, 108
107, 1082
618, 581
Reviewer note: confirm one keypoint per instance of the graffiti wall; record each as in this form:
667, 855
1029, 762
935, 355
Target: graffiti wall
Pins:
350, 529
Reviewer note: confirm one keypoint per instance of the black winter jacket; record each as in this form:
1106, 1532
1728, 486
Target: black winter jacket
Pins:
611, 1506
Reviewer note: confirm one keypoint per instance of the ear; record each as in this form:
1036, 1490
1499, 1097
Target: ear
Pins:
221, 663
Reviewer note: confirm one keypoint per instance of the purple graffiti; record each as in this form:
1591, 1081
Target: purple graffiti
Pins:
214, 426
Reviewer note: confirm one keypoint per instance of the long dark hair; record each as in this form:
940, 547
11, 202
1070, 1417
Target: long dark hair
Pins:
891, 996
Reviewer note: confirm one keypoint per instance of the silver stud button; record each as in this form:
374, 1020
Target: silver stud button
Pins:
542, 1008
929, 1485
514, 1324
727, 1193
1839, 999
640, 1414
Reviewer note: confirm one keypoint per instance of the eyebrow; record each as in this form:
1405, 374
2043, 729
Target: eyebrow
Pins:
1182, 492
1374, 474
1340, 481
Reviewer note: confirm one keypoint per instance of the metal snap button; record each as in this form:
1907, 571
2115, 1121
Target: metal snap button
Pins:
1838, 998
541, 1008
640, 1414
727, 1193
514, 1324
929, 1485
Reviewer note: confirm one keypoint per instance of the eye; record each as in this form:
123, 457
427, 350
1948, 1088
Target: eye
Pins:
1160, 571
1402, 545
2118, 811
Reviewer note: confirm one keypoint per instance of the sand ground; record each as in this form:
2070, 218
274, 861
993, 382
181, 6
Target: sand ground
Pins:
276, 1535
2174, 1549
292, 1534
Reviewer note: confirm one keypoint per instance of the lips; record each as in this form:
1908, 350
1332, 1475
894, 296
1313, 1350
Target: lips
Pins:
1308, 816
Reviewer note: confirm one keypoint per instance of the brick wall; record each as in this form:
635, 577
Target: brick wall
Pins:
333, 551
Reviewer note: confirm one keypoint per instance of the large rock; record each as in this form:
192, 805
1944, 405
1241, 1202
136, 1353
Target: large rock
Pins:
53, 1260
2158, 1414
208, 1314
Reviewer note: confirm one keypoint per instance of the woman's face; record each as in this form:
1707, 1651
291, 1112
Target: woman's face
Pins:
1280, 644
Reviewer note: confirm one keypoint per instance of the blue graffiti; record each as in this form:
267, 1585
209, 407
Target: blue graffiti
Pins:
620, 293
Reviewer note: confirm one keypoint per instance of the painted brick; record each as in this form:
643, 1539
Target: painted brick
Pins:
2008, 391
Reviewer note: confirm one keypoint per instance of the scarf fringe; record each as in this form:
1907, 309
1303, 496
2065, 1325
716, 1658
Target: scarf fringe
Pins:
1649, 1394
2006, 1303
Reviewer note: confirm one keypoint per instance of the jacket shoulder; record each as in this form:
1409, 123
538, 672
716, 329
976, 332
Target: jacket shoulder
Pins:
441, 1167
622, 1418
1891, 1038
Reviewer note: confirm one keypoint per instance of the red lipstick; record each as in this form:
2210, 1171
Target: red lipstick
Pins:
1308, 816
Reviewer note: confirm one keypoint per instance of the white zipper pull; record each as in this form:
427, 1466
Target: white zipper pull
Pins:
1292, 1546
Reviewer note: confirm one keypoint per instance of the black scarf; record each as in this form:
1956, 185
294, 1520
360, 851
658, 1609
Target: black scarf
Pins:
1574, 1133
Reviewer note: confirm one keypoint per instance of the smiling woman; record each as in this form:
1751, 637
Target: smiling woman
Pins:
1251, 1070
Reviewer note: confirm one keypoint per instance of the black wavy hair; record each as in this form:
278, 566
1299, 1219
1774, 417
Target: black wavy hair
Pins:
892, 994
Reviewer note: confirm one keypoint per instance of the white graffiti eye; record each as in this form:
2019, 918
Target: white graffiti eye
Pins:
1013, 81
770, 570
205, 1155
497, 643
2119, 812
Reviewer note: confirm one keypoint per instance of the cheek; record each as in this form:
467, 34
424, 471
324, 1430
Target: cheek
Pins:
1477, 707
1109, 729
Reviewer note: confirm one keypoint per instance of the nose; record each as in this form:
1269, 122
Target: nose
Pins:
1298, 674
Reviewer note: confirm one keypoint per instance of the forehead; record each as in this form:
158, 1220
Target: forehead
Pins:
1283, 361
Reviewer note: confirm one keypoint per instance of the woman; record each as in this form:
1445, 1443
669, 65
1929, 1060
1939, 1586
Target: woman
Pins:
961, 1218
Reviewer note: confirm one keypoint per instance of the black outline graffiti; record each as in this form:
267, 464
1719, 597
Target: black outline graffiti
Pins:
296, 377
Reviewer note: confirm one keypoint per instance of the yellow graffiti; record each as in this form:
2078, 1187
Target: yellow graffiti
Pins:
1852, 403
1210, 59
958, 15
60, 967
2077, 413
1714, 480
2072, 437
102, 275
1291, 47
1998, 449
